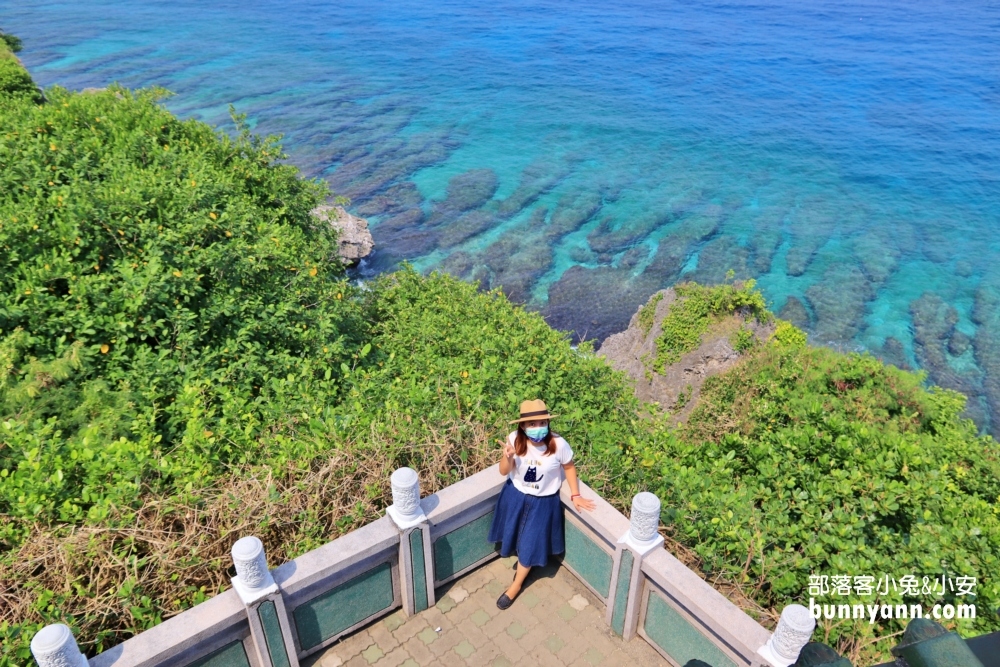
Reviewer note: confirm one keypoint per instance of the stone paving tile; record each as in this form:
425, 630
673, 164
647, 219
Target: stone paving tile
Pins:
383, 637
543, 657
483, 656
395, 658
372, 654
419, 651
566, 612
516, 630
410, 628
446, 641
554, 643
471, 632
555, 622
445, 604
427, 635
350, 646
535, 637
529, 599
464, 648
393, 621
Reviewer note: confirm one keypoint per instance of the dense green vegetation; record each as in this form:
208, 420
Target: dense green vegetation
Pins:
183, 359
696, 308
14, 79
807, 461
11, 41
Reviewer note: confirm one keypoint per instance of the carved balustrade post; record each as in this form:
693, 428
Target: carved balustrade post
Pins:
269, 624
626, 573
416, 554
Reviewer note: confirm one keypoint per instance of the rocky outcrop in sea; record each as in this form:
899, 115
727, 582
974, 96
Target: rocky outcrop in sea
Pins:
354, 241
675, 388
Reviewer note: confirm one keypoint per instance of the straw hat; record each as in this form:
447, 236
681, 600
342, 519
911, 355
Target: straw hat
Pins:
531, 410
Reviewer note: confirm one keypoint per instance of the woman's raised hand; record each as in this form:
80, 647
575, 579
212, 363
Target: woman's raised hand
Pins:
508, 451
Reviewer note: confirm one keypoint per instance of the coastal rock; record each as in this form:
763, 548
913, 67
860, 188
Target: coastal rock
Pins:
612, 237
959, 343
716, 258
573, 211
596, 302
392, 200
893, 353
986, 345
877, 254
466, 226
674, 249
839, 301
676, 387
810, 228
795, 312
466, 191
934, 323
537, 178
516, 260
354, 241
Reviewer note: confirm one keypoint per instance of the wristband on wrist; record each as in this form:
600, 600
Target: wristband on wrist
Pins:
575, 495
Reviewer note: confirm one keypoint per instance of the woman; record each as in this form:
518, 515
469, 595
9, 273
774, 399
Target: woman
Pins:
528, 519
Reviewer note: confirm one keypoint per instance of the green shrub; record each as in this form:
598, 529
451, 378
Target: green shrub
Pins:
805, 461
743, 340
696, 307
786, 333
647, 313
11, 41
164, 297
14, 79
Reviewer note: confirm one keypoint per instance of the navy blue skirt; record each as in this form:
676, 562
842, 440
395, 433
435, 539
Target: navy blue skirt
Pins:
530, 526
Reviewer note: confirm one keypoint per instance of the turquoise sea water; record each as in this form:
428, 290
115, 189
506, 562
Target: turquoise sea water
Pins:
583, 155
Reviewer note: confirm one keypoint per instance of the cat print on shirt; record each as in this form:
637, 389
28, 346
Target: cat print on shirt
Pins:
529, 476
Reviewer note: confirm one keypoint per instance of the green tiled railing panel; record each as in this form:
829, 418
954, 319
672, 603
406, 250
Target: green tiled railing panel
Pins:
588, 560
272, 634
462, 547
353, 601
418, 573
230, 655
621, 592
678, 638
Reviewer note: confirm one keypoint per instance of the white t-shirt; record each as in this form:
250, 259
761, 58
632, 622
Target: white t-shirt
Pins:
536, 474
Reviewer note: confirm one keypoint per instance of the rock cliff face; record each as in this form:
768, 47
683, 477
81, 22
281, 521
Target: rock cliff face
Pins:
355, 241
675, 388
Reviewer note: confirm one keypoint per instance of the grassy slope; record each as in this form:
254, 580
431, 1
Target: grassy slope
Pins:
134, 448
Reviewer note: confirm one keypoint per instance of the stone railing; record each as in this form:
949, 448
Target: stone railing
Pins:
274, 618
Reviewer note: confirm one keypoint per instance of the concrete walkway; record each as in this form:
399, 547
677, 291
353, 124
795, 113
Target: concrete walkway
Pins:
554, 621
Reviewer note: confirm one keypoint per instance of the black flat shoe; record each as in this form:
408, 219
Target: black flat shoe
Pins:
504, 602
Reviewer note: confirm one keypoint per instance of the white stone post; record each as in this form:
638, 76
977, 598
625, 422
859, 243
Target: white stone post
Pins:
642, 538
416, 583
252, 579
265, 607
795, 628
644, 524
405, 509
55, 646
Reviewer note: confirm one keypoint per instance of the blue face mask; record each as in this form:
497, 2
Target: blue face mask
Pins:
537, 433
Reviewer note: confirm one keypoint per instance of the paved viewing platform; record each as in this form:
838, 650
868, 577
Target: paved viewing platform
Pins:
419, 586
555, 621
